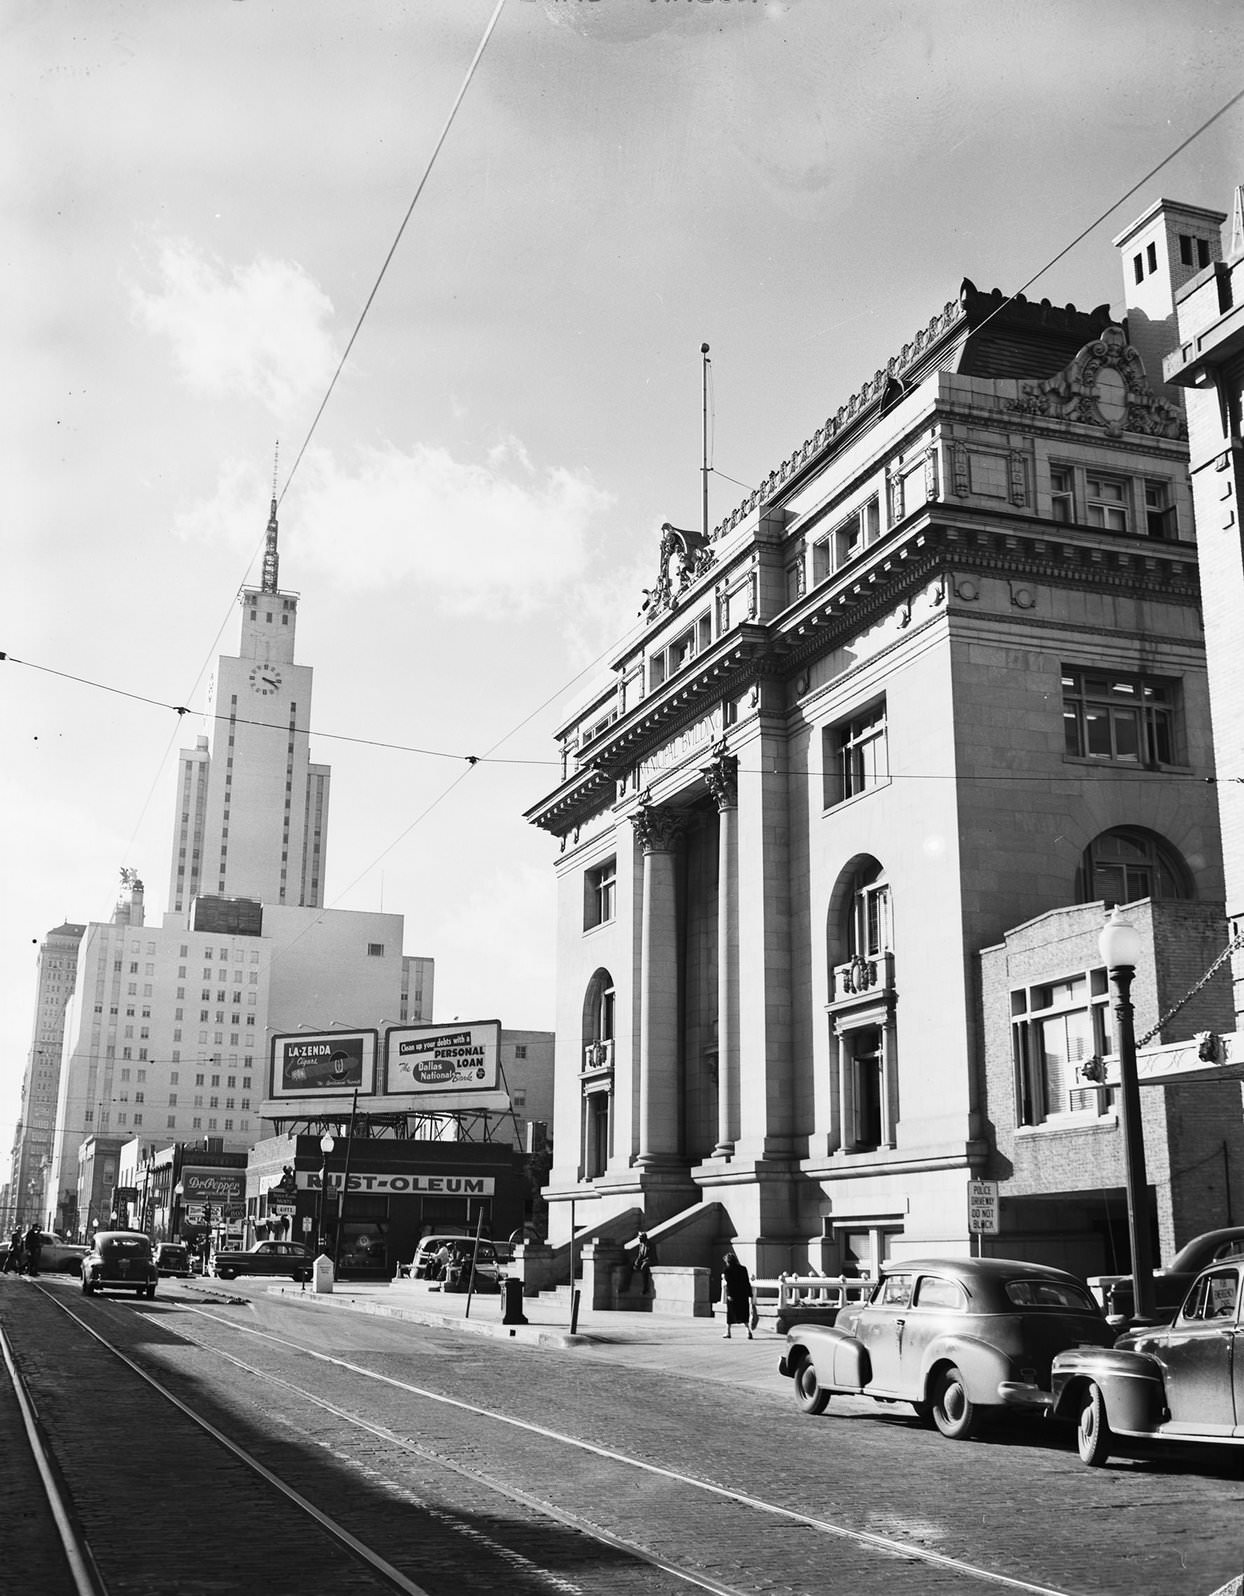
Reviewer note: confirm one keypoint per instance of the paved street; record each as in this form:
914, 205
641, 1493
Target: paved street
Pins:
688, 1406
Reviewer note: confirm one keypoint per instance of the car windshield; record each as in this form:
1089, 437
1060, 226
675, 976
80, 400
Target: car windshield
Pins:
1049, 1294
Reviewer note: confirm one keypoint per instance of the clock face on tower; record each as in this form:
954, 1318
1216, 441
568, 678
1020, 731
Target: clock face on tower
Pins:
265, 679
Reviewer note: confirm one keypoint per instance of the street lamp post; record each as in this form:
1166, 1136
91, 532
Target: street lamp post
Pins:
1119, 946
326, 1146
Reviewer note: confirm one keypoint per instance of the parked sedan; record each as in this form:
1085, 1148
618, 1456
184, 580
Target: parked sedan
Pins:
56, 1255
1170, 1286
952, 1336
1182, 1381
264, 1258
120, 1259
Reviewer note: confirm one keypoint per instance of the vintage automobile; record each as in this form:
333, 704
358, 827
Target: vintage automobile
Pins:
426, 1265
955, 1337
121, 1259
56, 1255
1170, 1286
1182, 1381
264, 1258
172, 1258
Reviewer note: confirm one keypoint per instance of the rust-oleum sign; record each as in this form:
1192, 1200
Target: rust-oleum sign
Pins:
443, 1058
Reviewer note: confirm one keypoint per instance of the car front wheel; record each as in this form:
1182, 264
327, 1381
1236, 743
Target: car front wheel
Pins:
226, 1274
954, 1412
809, 1393
1093, 1435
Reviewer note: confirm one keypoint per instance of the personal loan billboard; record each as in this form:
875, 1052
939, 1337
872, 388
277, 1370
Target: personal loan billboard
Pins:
323, 1064
429, 1060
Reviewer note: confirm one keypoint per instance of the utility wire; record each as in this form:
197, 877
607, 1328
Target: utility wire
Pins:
490, 757
427, 172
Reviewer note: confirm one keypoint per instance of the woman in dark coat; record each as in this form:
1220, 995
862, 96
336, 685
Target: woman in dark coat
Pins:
736, 1286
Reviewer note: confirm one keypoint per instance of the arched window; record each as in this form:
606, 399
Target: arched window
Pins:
864, 1086
596, 1076
1128, 863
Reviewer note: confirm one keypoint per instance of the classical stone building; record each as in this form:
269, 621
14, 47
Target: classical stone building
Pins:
942, 673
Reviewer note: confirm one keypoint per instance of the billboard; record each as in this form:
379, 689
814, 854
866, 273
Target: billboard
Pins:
323, 1064
433, 1060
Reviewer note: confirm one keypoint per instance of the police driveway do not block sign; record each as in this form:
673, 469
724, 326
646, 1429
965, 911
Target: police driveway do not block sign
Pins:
983, 1207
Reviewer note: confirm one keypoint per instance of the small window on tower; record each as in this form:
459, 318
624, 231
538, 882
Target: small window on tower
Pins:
375, 950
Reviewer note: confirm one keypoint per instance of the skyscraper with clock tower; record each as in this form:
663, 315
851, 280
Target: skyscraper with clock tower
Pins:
252, 814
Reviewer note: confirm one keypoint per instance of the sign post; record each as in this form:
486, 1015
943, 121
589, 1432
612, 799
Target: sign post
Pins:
982, 1209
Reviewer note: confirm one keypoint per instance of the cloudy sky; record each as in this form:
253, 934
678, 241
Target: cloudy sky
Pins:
201, 196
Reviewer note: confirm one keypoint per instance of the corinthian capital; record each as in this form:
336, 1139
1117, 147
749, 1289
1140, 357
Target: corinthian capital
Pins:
658, 830
722, 776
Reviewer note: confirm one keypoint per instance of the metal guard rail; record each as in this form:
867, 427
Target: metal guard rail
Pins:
809, 1291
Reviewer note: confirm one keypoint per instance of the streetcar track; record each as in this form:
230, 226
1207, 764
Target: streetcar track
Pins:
868, 1541
880, 1543
337, 1531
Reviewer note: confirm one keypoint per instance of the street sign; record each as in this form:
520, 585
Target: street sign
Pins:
983, 1207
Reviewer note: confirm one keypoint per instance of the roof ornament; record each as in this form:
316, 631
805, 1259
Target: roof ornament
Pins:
685, 555
1104, 386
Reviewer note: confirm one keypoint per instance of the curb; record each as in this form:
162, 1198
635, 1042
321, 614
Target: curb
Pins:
525, 1334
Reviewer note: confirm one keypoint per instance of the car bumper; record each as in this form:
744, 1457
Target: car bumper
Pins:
1021, 1394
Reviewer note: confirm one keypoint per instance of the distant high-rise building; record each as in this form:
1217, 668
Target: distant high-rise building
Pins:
252, 811
32, 1142
166, 1027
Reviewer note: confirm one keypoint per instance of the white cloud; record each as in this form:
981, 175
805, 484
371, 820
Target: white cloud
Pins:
472, 532
259, 330
494, 951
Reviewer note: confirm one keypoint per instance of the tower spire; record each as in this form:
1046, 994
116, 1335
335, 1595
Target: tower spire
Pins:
270, 557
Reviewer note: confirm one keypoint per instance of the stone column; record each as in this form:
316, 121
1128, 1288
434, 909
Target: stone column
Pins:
722, 777
660, 1081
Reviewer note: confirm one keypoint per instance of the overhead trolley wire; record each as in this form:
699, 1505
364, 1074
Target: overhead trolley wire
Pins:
427, 172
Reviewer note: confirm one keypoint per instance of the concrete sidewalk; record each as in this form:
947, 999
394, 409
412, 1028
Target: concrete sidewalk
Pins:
671, 1342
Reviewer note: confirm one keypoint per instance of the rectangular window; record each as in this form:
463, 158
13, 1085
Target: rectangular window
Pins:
1126, 720
683, 649
600, 894
375, 950
847, 541
1056, 1029
1151, 256
1185, 250
856, 755
1160, 511
1063, 494
1107, 503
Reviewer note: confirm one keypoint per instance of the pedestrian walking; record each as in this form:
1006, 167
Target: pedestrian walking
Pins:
645, 1258
13, 1258
33, 1247
736, 1291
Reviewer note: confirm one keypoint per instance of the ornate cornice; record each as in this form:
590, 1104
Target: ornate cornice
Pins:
955, 322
